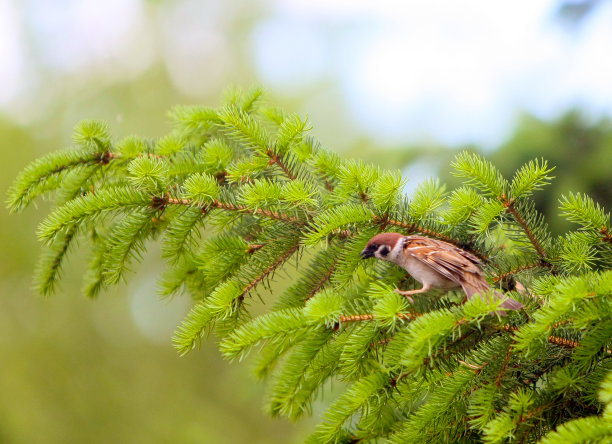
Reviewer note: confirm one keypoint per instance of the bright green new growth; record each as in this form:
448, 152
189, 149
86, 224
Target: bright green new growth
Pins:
238, 195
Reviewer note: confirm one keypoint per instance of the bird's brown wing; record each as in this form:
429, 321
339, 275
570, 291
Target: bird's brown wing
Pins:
450, 261
456, 265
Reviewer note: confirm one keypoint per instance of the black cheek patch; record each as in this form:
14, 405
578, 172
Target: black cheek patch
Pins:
384, 251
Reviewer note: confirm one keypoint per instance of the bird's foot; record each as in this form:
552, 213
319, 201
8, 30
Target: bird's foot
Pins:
406, 293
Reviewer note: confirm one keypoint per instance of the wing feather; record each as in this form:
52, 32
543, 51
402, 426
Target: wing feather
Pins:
450, 261
456, 265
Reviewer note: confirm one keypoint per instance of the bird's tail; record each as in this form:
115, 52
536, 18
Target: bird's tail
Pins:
509, 302
482, 288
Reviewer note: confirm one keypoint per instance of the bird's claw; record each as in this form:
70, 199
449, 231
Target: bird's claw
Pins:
404, 293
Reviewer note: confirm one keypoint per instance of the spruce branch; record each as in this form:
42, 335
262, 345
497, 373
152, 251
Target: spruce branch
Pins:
82, 208
126, 242
235, 193
239, 208
370, 317
292, 385
556, 340
607, 236
282, 259
519, 269
530, 177
276, 159
480, 173
50, 264
321, 283
583, 210
509, 205
45, 174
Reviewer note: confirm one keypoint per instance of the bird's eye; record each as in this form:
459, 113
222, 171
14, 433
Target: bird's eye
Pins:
384, 251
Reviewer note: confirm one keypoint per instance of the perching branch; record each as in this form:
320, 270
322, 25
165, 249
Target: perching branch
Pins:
447, 371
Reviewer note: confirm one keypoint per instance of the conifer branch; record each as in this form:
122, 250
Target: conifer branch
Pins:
276, 159
510, 208
260, 212
606, 236
356, 318
321, 283
556, 340
232, 207
37, 177
451, 370
412, 228
371, 317
252, 248
50, 265
503, 367
286, 255
517, 270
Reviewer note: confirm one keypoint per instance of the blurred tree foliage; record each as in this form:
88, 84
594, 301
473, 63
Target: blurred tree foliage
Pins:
435, 369
74, 371
579, 148
44, 389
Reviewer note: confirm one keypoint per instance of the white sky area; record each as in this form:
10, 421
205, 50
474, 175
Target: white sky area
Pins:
402, 71
455, 71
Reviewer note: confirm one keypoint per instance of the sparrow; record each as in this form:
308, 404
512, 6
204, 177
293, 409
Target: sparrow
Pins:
435, 264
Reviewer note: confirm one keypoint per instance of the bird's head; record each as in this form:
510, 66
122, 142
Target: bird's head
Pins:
383, 246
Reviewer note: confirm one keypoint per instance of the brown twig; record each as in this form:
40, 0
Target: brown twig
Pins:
503, 367
321, 283
562, 341
606, 235
499, 277
356, 318
252, 248
342, 234
509, 206
240, 208
368, 317
556, 340
260, 212
509, 328
275, 159
286, 255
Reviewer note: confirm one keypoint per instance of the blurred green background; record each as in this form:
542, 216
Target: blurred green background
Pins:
400, 85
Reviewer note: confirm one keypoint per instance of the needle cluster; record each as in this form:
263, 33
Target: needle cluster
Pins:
239, 195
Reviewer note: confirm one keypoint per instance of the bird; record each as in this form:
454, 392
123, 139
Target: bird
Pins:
435, 264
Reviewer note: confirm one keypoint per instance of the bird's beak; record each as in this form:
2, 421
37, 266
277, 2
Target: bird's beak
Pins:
366, 253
